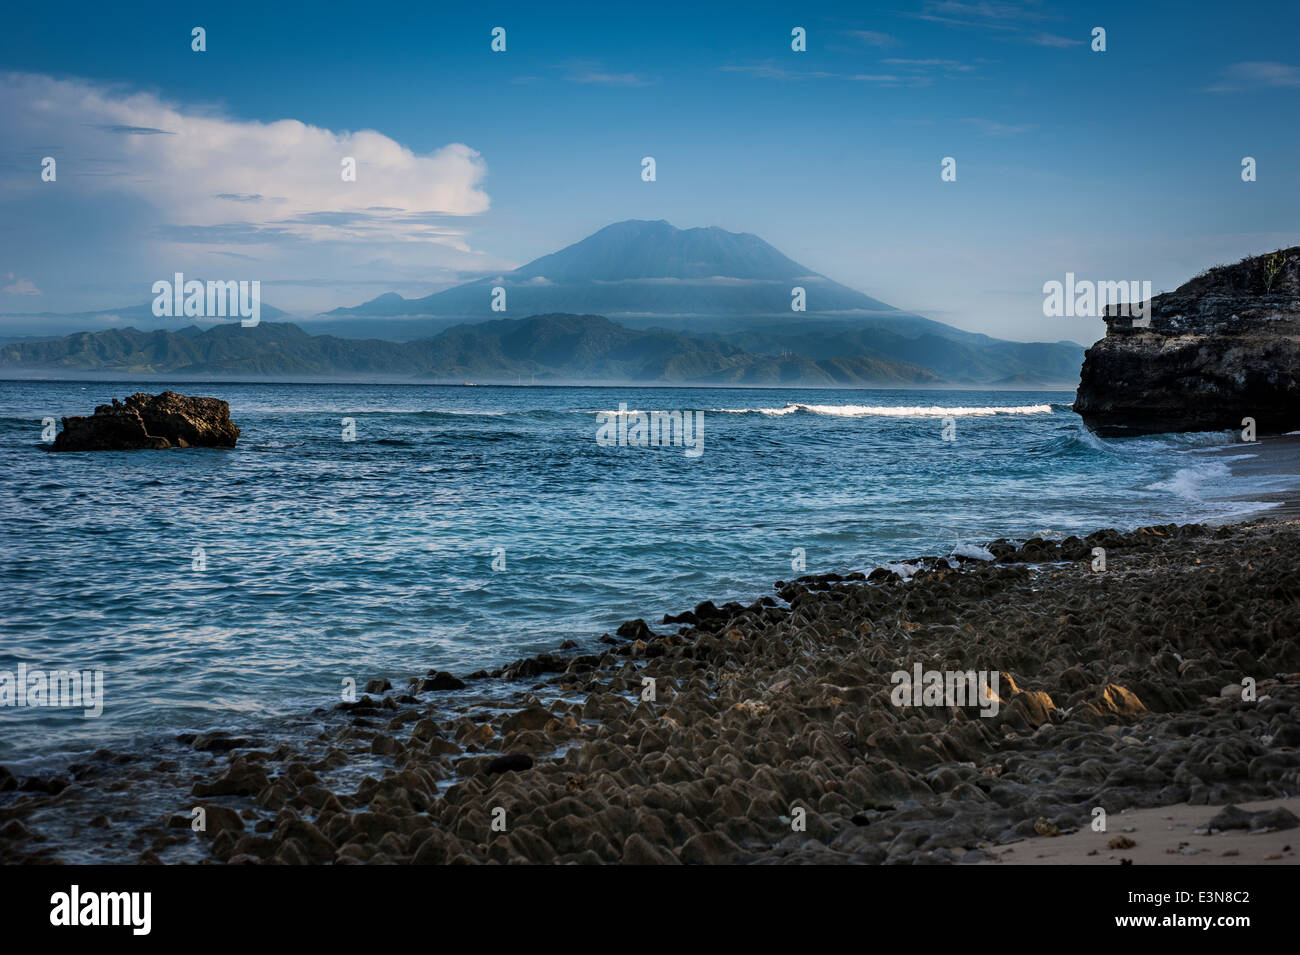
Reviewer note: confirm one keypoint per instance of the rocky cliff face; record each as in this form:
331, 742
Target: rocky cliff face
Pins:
145, 421
1222, 347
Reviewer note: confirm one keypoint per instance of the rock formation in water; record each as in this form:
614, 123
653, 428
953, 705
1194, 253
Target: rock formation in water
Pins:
145, 421
1220, 348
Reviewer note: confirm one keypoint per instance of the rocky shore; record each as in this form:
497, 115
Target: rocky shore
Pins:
1171, 676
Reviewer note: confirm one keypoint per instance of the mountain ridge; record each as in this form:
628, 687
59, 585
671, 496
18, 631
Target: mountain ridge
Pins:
724, 286
555, 348
723, 295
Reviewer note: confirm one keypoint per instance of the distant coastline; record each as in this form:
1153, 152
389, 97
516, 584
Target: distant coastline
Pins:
74, 376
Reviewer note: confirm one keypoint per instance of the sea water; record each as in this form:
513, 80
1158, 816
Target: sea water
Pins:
459, 528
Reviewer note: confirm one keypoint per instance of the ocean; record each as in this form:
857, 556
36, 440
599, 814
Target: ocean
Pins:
464, 527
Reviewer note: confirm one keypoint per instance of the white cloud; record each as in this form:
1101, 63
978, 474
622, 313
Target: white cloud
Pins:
991, 128
872, 37
156, 187
922, 64
20, 287
1014, 20
772, 71
1256, 75
611, 79
593, 73
214, 171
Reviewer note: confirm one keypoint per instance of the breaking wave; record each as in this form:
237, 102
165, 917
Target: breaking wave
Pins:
893, 411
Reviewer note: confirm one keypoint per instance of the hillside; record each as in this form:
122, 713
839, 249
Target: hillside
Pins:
559, 347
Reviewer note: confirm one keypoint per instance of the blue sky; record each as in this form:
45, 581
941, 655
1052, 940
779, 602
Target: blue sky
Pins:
1117, 165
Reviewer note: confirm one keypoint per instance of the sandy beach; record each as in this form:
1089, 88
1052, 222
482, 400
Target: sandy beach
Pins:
1170, 835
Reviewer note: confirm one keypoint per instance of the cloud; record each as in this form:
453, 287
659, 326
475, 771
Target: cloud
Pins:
983, 13
255, 200
611, 79
137, 130
1051, 39
20, 287
872, 38
990, 128
770, 71
1256, 75
950, 66
279, 173
591, 73
902, 72
1020, 22
702, 280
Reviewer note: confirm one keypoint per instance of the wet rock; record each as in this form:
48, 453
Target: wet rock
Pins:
168, 420
529, 718
13, 830
441, 680
302, 839
708, 616
708, 848
513, 763
687, 617
636, 629
240, 779
35, 784
425, 730
220, 743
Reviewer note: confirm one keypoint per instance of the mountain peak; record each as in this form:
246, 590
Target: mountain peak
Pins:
656, 249
644, 272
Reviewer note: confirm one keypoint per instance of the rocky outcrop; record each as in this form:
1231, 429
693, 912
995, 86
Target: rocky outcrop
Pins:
1220, 348
145, 421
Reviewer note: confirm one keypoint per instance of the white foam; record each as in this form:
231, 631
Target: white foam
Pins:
973, 551
1192, 483
893, 411
321, 409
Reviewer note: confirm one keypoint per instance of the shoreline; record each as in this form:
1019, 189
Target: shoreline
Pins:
760, 711
1274, 458
1278, 459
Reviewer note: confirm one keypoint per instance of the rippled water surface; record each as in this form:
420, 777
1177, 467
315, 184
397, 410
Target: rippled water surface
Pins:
327, 559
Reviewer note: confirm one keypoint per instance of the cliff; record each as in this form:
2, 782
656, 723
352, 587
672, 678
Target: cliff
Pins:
1222, 347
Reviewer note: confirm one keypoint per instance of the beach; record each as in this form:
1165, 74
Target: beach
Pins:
769, 732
